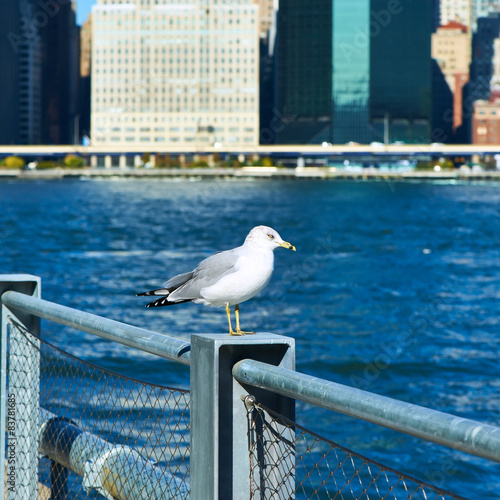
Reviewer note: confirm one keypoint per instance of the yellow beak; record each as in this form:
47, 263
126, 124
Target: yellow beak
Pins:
288, 246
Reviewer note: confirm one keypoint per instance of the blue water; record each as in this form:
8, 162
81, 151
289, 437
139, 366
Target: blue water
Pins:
394, 288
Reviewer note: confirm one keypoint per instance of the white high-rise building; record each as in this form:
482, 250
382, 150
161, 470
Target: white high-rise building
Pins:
481, 8
466, 11
175, 72
456, 10
495, 77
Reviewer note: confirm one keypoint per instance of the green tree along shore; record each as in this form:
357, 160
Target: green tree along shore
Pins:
161, 161
167, 161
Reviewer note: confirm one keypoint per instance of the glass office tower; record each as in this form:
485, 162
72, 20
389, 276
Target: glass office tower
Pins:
401, 70
304, 71
354, 70
351, 71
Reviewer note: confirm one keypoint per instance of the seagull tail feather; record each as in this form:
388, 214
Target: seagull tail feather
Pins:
160, 291
163, 301
163, 293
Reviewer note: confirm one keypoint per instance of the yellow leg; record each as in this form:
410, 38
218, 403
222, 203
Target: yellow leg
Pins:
231, 331
238, 329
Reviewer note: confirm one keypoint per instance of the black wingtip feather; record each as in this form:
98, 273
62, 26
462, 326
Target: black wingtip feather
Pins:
165, 302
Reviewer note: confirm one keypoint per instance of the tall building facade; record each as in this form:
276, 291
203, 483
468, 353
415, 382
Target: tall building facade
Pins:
451, 48
483, 51
170, 72
354, 70
21, 51
351, 73
486, 121
401, 70
304, 71
483, 8
9, 97
466, 11
266, 15
83, 122
61, 40
495, 77
38, 50
459, 11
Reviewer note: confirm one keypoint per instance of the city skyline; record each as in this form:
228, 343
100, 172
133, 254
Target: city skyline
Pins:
216, 71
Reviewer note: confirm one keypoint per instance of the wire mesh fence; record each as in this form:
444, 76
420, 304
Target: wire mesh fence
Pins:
321, 469
286, 460
152, 420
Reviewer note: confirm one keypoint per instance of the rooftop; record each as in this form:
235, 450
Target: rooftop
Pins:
454, 25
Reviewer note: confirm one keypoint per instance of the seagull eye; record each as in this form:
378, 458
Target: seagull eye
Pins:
271, 236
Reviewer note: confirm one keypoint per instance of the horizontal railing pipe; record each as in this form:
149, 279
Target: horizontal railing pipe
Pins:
155, 343
455, 432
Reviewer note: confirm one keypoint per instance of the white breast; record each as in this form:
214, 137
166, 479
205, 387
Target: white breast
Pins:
253, 271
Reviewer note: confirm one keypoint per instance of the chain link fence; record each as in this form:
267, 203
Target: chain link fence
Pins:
286, 460
321, 468
152, 420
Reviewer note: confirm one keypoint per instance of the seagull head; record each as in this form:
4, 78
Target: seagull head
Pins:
267, 237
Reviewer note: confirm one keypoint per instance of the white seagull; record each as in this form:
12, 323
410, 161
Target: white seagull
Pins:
226, 278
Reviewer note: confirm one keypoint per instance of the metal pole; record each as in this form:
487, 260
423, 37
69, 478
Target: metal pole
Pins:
152, 342
449, 430
115, 471
386, 128
20, 399
220, 462
76, 129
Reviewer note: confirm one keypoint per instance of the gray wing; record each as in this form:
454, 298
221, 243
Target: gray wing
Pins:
208, 272
178, 280
169, 285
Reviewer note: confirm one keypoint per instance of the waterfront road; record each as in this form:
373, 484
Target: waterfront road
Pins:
327, 173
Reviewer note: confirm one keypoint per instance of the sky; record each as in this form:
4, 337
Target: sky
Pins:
83, 8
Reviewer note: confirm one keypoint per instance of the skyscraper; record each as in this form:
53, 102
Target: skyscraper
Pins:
351, 73
9, 98
451, 48
401, 69
21, 55
354, 70
482, 8
38, 53
167, 72
60, 74
488, 29
266, 14
83, 122
459, 11
304, 71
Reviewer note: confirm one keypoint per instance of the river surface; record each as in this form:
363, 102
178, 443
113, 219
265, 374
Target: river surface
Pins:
394, 288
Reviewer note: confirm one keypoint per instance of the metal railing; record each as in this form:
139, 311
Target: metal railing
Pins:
107, 468
154, 343
455, 432
225, 371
